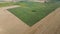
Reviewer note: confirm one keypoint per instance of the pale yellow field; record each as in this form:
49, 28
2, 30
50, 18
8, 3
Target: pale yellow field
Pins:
10, 24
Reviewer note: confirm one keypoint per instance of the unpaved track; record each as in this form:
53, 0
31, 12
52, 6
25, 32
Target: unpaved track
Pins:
10, 24
49, 25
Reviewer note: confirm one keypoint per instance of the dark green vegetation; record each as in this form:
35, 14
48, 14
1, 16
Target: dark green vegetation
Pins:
32, 12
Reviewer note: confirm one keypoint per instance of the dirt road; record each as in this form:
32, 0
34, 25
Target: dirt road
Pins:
49, 25
10, 24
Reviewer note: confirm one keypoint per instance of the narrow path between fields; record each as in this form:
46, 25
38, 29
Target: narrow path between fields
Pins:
10, 24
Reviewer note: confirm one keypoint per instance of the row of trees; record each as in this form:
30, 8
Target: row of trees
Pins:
53, 0
45, 1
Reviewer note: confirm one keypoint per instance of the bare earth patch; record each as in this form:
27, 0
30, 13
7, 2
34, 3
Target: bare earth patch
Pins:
10, 24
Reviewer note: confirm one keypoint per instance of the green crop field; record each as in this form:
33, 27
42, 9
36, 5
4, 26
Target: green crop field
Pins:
4, 4
32, 12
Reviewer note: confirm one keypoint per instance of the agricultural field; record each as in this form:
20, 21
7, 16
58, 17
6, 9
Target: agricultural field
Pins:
4, 4
32, 12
